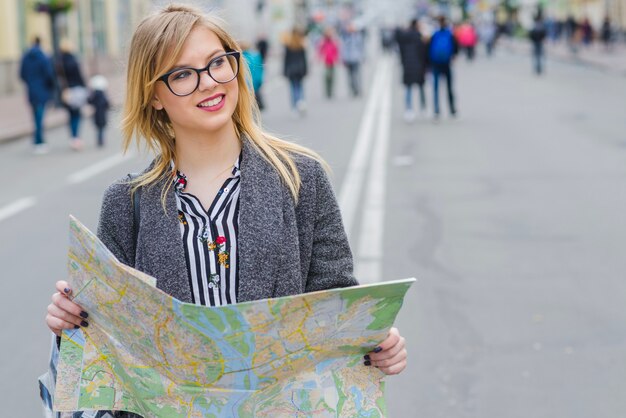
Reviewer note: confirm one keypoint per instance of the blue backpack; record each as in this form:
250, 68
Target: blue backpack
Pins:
441, 47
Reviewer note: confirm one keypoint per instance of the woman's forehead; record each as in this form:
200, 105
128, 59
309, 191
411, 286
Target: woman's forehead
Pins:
201, 42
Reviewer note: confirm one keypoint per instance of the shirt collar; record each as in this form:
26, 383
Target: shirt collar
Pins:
179, 179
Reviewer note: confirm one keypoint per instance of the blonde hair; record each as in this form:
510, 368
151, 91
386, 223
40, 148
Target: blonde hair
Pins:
155, 47
296, 39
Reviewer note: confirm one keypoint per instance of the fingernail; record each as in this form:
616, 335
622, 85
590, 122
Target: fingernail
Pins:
67, 290
76, 326
367, 363
366, 357
84, 324
84, 314
378, 349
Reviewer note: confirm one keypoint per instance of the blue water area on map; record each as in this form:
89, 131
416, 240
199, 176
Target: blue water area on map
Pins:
309, 384
324, 365
75, 335
238, 365
358, 398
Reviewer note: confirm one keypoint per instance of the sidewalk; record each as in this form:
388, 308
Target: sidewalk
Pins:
15, 115
612, 61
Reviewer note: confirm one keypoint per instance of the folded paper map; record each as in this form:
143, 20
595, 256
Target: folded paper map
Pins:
151, 354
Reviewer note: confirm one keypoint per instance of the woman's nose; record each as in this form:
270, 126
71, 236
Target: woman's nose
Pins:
206, 82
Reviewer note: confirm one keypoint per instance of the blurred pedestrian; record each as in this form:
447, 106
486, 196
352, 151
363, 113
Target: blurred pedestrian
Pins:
100, 102
413, 57
467, 38
295, 68
537, 37
37, 72
255, 65
352, 54
328, 50
441, 51
387, 38
586, 32
262, 45
74, 94
487, 35
606, 33
572, 34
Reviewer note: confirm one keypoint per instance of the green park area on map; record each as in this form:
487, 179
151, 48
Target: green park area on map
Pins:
149, 353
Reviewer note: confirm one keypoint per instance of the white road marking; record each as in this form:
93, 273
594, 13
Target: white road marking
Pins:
370, 245
403, 161
16, 207
353, 181
97, 168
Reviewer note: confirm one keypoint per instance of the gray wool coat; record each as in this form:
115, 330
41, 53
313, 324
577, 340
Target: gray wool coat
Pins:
283, 248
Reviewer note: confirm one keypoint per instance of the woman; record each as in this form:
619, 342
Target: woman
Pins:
73, 91
228, 213
329, 53
413, 56
295, 69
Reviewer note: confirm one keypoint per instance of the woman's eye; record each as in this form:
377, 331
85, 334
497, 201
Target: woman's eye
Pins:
218, 62
180, 75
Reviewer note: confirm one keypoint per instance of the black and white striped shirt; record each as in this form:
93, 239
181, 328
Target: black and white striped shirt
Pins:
210, 241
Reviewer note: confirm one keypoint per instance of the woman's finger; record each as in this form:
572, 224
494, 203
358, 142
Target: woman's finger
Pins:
57, 325
388, 362
56, 312
67, 305
394, 369
388, 353
63, 287
392, 339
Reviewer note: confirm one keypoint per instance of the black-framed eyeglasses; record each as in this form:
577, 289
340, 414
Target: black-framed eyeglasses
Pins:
184, 81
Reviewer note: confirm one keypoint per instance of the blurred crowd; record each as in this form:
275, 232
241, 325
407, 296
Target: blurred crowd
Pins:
426, 47
60, 79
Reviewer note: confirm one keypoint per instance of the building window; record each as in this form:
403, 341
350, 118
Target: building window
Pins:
98, 21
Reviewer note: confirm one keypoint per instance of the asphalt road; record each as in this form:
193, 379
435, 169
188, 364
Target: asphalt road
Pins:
511, 217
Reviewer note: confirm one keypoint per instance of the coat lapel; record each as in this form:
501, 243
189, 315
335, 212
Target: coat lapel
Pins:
260, 225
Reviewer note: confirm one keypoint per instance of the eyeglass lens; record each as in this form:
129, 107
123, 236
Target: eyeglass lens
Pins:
221, 69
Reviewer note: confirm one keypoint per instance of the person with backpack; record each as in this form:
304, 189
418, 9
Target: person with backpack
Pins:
441, 51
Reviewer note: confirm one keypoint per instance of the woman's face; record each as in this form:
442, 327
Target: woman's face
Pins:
210, 107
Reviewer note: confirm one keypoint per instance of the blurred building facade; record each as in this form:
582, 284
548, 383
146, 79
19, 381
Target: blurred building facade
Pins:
98, 29
594, 10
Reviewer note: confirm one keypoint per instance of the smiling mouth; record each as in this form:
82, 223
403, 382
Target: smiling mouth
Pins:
212, 102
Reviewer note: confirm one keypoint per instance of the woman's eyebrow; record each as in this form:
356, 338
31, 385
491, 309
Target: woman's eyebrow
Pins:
209, 56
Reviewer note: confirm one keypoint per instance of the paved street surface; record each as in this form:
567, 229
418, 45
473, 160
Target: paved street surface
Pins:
511, 217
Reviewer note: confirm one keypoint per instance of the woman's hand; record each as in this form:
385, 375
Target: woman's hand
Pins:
390, 355
63, 313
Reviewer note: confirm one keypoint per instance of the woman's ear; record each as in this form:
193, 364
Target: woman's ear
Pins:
156, 103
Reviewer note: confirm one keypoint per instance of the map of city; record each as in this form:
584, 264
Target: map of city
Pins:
149, 353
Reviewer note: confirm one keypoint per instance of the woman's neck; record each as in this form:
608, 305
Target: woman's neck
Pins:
204, 155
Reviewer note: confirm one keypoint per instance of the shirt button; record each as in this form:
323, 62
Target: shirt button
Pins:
225, 189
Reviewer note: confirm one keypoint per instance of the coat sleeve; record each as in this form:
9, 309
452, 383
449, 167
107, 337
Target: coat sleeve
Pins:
331, 263
115, 227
